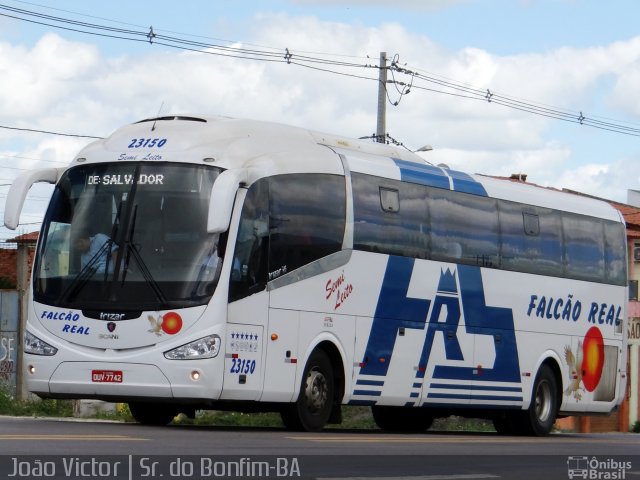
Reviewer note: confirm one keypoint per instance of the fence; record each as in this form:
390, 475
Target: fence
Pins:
9, 335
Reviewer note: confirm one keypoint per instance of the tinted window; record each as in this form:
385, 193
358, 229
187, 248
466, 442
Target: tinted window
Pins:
584, 247
128, 234
521, 248
464, 228
390, 217
418, 221
287, 221
615, 253
249, 268
307, 220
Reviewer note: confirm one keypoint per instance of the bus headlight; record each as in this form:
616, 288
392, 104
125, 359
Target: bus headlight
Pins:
35, 346
207, 347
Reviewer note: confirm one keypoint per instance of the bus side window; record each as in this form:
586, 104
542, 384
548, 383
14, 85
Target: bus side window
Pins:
390, 216
615, 253
307, 220
464, 228
530, 239
249, 268
583, 247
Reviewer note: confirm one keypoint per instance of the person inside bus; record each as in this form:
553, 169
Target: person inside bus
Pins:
97, 251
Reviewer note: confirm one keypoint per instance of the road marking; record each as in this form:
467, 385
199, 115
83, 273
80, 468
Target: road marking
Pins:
462, 476
370, 439
438, 439
35, 436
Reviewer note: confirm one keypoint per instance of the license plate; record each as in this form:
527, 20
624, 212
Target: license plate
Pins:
106, 376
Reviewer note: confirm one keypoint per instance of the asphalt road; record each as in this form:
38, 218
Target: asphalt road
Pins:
49, 448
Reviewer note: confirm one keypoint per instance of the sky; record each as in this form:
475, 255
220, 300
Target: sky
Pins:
461, 60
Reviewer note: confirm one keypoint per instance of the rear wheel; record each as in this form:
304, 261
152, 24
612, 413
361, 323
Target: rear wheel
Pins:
539, 419
312, 409
401, 419
153, 413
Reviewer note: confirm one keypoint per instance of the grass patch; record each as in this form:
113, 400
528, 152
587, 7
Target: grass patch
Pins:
460, 424
33, 407
353, 418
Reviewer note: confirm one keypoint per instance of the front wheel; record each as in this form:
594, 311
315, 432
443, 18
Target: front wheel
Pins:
157, 414
539, 419
312, 410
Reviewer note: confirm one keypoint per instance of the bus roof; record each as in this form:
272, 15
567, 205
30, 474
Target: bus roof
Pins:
267, 148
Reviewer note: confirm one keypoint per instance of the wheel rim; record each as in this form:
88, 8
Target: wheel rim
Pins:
543, 401
316, 391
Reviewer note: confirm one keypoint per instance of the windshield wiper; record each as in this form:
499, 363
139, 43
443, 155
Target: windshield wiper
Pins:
83, 276
131, 249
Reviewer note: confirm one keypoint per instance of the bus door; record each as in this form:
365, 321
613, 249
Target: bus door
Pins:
244, 347
281, 355
248, 310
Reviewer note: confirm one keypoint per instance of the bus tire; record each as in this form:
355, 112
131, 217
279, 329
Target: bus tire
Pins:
539, 418
311, 412
157, 414
401, 419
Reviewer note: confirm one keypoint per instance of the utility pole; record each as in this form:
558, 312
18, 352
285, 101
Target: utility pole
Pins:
381, 129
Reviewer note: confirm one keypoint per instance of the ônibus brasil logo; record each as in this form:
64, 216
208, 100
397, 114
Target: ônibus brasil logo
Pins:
597, 468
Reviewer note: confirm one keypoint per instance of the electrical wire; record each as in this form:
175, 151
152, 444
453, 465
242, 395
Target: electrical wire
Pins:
48, 132
320, 62
230, 42
465, 91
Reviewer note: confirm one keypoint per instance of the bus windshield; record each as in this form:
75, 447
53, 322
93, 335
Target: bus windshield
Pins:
128, 237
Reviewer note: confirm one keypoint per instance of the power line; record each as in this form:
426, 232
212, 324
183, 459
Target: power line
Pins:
48, 132
230, 42
153, 37
465, 91
23, 157
418, 80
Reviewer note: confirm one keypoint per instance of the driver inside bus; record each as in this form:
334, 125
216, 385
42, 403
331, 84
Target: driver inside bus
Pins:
96, 250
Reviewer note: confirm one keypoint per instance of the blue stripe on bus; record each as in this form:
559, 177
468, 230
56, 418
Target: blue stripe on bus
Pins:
422, 174
409, 404
475, 387
460, 396
463, 182
414, 395
363, 403
417, 385
482, 406
371, 393
377, 383
431, 176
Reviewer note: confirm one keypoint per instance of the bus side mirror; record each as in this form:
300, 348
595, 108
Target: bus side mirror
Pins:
223, 193
18, 192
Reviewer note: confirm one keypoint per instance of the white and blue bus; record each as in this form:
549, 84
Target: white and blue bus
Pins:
189, 263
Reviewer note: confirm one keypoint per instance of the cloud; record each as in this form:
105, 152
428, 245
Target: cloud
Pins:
73, 87
34, 80
604, 180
